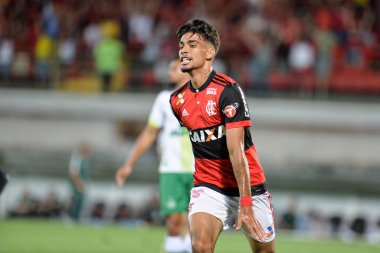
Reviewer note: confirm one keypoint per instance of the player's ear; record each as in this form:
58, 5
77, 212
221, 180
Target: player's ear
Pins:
210, 54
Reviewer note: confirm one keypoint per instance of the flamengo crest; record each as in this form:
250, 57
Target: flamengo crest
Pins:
210, 108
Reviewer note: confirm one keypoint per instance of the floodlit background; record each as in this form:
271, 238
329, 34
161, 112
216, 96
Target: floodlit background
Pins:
310, 71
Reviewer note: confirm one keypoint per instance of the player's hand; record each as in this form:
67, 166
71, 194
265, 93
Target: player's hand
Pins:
122, 174
248, 219
80, 186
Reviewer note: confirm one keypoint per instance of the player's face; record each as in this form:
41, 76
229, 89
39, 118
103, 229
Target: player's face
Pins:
192, 51
84, 150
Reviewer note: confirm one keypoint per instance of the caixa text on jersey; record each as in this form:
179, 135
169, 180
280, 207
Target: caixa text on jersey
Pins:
205, 135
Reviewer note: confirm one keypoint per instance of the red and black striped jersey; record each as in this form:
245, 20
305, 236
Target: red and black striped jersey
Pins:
207, 112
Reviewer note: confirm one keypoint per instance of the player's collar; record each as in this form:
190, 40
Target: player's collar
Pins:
208, 81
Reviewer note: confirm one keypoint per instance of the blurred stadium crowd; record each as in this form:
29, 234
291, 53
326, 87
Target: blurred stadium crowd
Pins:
290, 45
54, 206
309, 223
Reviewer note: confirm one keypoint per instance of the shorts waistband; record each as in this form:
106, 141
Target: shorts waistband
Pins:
234, 192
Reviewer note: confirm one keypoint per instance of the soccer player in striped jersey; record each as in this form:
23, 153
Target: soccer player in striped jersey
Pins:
230, 188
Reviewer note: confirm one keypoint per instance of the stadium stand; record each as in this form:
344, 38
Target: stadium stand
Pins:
51, 44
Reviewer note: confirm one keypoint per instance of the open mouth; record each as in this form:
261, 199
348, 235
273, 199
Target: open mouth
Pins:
185, 60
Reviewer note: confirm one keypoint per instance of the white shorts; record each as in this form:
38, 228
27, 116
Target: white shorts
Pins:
226, 209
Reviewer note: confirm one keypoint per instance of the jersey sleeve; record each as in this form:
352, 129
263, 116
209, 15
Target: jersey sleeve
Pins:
234, 107
175, 112
157, 115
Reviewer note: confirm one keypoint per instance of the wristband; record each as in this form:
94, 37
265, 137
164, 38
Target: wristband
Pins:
246, 201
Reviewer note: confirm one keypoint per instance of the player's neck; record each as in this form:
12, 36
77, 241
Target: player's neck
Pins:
198, 77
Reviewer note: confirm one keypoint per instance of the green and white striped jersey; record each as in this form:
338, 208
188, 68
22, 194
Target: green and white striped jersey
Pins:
173, 142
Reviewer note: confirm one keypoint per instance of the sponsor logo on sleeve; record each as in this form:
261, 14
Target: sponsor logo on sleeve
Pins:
230, 110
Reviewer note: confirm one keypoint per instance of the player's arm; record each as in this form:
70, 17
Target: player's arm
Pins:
75, 178
235, 145
143, 143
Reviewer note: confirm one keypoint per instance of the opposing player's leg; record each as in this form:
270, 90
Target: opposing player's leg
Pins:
76, 206
204, 232
186, 234
174, 224
174, 241
174, 207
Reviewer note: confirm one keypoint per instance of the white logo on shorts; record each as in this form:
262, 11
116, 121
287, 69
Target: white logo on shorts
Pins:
196, 193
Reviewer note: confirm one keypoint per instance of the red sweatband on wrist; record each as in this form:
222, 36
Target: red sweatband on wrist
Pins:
246, 201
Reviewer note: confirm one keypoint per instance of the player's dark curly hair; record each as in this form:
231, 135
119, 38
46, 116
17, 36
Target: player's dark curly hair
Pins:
202, 28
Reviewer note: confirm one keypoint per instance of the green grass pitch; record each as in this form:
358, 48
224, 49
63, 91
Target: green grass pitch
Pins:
39, 236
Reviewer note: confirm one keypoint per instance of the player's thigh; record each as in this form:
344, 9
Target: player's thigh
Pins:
204, 228
260, 247
263, 210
